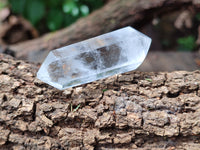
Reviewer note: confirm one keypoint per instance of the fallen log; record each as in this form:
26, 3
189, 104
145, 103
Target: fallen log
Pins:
132, 110
115, 14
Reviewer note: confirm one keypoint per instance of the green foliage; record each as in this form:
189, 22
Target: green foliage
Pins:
17, 6
35, 10
55, 13
3, 4
187, 43
104, 90
84, 10
197, 16
53, 22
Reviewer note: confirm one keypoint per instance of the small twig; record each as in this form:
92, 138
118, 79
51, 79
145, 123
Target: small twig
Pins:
148, 79
77, 108
71, 107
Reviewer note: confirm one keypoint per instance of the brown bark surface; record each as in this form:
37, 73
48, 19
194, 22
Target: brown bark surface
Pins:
114, 15
133, 110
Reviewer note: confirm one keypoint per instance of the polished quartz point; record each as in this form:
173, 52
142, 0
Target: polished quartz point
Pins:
96, 58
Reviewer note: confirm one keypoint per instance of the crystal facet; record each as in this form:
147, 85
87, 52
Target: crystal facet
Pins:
96, 58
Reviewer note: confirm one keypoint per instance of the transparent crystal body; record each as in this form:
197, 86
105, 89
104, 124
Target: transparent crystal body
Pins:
112, 53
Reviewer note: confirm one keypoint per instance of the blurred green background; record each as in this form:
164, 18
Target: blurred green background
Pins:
53, 14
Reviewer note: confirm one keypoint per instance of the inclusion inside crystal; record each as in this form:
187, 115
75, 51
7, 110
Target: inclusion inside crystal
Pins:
112, 53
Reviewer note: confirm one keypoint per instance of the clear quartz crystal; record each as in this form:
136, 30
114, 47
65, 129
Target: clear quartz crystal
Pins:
112, 53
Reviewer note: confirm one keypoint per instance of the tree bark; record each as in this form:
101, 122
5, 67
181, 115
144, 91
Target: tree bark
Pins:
115, 14
132, 110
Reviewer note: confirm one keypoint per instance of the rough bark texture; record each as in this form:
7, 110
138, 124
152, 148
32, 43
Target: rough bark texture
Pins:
116, 14
133, 110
